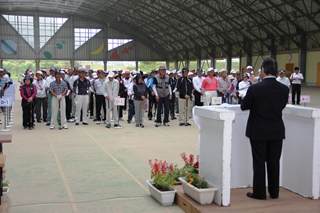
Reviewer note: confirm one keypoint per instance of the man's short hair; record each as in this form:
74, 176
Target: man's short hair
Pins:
270, 66
296, 68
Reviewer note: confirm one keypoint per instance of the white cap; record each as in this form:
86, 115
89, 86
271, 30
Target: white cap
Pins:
232, 72
190, 73
249, 67
111, 75
216, 70
210, 69
94, 75
251, 72
1, 70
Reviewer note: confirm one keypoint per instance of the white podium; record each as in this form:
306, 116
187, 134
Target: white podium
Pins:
225, 152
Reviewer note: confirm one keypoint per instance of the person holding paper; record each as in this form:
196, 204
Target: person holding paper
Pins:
140, 97
209, 86
110, 92
243, 86
58, 89
265, 129
296, 79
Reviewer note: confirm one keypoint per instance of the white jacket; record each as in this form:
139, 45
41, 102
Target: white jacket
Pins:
111, 89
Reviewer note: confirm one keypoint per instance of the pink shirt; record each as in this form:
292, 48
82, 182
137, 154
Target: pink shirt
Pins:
209, 83
29, 92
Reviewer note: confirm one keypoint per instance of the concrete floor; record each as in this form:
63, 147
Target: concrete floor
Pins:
94, 169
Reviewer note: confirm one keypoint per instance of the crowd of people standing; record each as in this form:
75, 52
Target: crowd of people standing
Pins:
63, 96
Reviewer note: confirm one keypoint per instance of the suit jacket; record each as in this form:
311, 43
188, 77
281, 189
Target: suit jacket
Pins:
266, 100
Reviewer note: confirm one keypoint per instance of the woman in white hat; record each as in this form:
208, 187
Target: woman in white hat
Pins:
41, 96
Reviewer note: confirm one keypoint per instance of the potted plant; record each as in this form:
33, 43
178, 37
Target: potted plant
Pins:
161, 185
5, 183
189, 165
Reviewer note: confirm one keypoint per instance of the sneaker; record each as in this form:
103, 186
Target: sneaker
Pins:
72, 117
84, 123
44, 120
141, 125
48, 124
157, 125
91, 117
98, 122
149, 118
121, 119
137, 125
108, 126
128, 121
95, 119
166, 124
77, 124
188, 124
181, 124
65, 127
117, 126
38, 121
70, 120
51, 127
25, 127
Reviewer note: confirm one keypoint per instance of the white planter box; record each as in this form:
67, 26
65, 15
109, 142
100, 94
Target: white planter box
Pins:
165, 198
5, 188
202, 196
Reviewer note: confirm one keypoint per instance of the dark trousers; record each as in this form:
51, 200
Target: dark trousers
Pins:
172, 103
263, 152
197, 98
223, 98
163, 102
27, 115
152, 103
131, 110
91, 104
41, 103
68, 107
100, 101
296, 88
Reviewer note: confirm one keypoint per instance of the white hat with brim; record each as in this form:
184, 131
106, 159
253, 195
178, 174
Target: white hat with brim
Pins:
111, 75
249, 68
210, 69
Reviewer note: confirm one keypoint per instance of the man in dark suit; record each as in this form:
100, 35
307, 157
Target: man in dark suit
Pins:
265, 128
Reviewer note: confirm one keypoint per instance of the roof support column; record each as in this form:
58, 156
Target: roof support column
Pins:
105, 65
198, 63
240, 56
72, 63
229, 58
137, 65
213, 57
37, 64
249, 53
176, 64
186, 63
168, 65
273, 49
303, 54
1, 62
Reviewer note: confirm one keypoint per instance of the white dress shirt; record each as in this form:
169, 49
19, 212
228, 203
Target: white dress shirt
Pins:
296, 78
111, 89
197, 82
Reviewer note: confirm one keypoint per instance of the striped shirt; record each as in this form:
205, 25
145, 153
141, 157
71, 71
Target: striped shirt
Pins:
58, 87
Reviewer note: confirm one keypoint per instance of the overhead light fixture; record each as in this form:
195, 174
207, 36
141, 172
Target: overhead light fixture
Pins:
131, 11
108, 24
119, 19
10, 8
61, 11
293, 16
